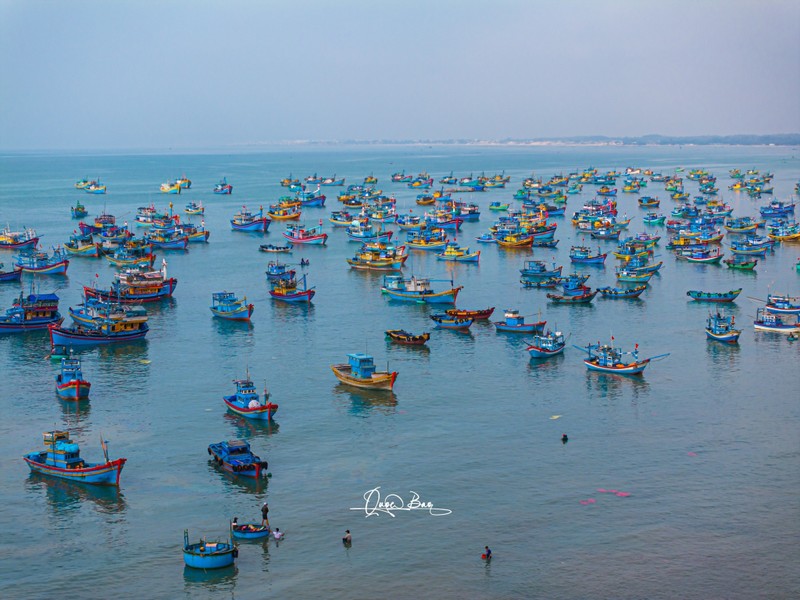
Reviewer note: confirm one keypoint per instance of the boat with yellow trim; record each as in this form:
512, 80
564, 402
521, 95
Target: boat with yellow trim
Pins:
360, 372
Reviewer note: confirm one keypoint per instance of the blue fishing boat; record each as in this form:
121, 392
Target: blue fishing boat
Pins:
783, 304
226, 305
131, 257
41, 263
18, 240
103, 330
701, 296
31, 313
235, 456
223, 187
537, 270
61, 458
545, 345
777, 208
289, 290
609, 359
622, 293
583, 255
360, 372
654, 219
720, 328
15, 274
244, 220
776, 323
78, 211
133, 286
208, 555
70, 384
455, 253
300, 234
277, 271
515, 323
361, 232
417, 289
247, 403
445, 321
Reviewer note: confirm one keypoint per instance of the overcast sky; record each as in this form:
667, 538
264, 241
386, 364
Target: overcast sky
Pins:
138, 74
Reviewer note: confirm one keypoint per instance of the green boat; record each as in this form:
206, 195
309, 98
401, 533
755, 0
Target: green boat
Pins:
743, 265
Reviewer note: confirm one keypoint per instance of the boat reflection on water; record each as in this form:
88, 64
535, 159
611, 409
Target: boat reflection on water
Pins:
612, 387
725, 356
75, 414
221, 581
291, 312
130, 360
236, 483
365, 402
247, 429
545, 369
64, 497
233, 329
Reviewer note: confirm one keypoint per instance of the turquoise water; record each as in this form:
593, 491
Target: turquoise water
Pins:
706, 442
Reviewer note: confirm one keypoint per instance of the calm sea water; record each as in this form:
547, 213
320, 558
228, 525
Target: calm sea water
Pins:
707, 442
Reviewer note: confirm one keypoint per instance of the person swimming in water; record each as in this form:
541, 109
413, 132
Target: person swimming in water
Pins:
564, 439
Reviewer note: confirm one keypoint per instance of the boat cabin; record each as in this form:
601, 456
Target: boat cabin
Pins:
362, 366
238, 447
61, 452
513, 317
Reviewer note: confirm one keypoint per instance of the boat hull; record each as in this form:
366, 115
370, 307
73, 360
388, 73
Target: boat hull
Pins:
262, 412
243, 534
194, 558
378, 381
104, 474
634, 368
259, 225
59, 268
729, 337
15, 275
446, 297
242, 313
77, 389
68, 337
11, 327
165, 290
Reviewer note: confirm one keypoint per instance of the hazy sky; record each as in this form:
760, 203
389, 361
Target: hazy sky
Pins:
128, 74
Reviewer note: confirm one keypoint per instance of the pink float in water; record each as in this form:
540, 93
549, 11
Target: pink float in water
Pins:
691, 453
623, 494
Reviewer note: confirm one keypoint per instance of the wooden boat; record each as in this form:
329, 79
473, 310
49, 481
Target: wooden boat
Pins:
417, 289
401, 336
59, 352
367, 232
545, 345
277, 271
8, 276
537, 270
648, 202
288, 290
625, 275
583, 255
379, 256
548, 283
767, 321
247, 403
226, 305
445, 321
223, 187
620, 293
299, 234
284, 213
61, 458
700, 296
78, 211
41, 263
249, 531
720, 328
104, 331
82, 245
31, 313
608, 359
476, 315
136, 285
171, 240
244, 220
606, 233
360, 372
208, 555
654, 219
273, 248
515, 323
289, 181
455, 253
235, 456
584, 298
193, 208
193, 233
741, 264
486, 238
95, 187
782, 305
170, 187
126, 257
93, 310
498, 206
700, 256
70, 384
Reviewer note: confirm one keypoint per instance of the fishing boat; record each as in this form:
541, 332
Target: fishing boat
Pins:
57, 353
249, 531
767, 321
284, 213
299, 234
104, 331
648, 202
537, 270
515, 323
78, 211
226, 305
782, 305
288, 290
95, 187
82, 245
583, 298
700, 296
41, 263
445, 321
486, 238
193, 208
170, 239
583, 255
363, 232
244, 220
609, 359
360, 372
235, 456
476, 315
70, 384
223, 187
61, 458
31, 313
498, 206
706, 256
654, 219
170, 187
136, 285
15, 274
741, 264
93, 311
289, 181
417, 289
720, 328
208, 555
622, 293
18, 240
379, 256
129, 258
401, 336
277, 270
332, 181
455, 253
545, 345
274, 249
515, 240
247, 403
625, 275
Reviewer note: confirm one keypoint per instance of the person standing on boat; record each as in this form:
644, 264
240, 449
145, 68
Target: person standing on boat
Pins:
265, 515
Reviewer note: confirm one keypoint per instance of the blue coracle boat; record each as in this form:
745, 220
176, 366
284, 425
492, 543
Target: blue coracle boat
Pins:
208, 555
61, 458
